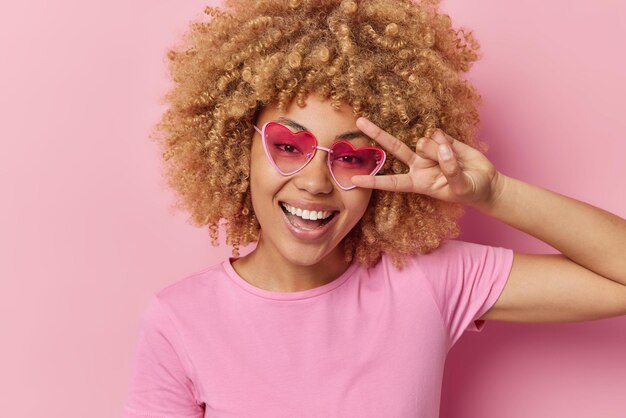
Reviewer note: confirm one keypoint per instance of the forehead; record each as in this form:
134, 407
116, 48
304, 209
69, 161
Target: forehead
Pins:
316, 113
319, 117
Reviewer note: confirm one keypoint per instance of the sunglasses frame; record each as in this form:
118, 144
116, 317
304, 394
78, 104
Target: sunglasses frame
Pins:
312, 155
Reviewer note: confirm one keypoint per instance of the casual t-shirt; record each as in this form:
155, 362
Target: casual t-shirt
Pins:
371, 343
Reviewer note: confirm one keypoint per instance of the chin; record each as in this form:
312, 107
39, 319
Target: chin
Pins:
305, 257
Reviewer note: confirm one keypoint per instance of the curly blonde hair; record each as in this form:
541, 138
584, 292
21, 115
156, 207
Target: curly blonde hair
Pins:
398, 63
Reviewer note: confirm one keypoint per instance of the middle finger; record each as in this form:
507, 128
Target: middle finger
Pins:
428, 148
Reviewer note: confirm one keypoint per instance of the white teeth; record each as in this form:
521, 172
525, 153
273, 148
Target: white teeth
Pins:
307, 214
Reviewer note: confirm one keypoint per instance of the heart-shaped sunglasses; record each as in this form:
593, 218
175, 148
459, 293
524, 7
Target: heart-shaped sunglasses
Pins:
289, 152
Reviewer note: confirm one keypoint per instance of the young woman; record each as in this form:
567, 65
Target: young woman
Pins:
339, 136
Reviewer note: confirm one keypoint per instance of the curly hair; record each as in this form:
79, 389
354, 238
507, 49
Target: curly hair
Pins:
397, 63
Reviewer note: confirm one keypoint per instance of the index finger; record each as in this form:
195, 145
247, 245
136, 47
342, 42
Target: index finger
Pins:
390, 183
396, 147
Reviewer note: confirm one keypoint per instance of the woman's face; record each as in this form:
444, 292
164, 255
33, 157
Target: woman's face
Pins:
289, 236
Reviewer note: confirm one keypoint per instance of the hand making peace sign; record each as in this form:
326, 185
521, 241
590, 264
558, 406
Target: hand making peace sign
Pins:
467, 177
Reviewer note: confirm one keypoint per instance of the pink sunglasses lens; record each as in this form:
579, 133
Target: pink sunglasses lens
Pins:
345, 162
289, 151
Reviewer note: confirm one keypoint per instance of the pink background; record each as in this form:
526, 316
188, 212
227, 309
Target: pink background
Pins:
87, 233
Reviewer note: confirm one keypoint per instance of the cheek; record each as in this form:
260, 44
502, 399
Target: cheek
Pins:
357, 201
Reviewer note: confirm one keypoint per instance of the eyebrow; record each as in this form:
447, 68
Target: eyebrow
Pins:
344, 136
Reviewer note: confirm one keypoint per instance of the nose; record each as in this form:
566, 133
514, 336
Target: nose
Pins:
315, 177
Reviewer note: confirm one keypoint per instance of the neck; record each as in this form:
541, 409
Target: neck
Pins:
267, 269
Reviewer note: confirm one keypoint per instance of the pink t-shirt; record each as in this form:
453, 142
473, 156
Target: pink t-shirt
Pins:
371, 343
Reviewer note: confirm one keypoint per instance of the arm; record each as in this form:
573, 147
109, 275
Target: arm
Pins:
586, 282
160, 385
589, 236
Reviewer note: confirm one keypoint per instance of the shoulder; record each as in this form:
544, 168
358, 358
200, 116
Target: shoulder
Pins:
456, 257
452, 246
456, 250
192, 288
445, 250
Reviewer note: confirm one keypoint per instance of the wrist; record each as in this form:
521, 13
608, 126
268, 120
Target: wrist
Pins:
498, 185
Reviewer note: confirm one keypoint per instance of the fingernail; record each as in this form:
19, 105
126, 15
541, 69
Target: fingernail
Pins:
368, 124
444, 152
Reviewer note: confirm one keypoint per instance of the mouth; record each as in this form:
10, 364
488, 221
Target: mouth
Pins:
307, 220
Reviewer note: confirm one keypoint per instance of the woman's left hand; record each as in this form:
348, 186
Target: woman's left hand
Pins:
467, 177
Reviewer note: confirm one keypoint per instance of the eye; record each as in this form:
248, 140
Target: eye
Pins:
350, 159
287, 148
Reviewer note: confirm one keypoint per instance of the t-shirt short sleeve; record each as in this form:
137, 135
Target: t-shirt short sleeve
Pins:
160, 384
466, 280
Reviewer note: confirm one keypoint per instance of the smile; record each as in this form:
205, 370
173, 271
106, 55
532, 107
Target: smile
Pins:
307, 224
307, 214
